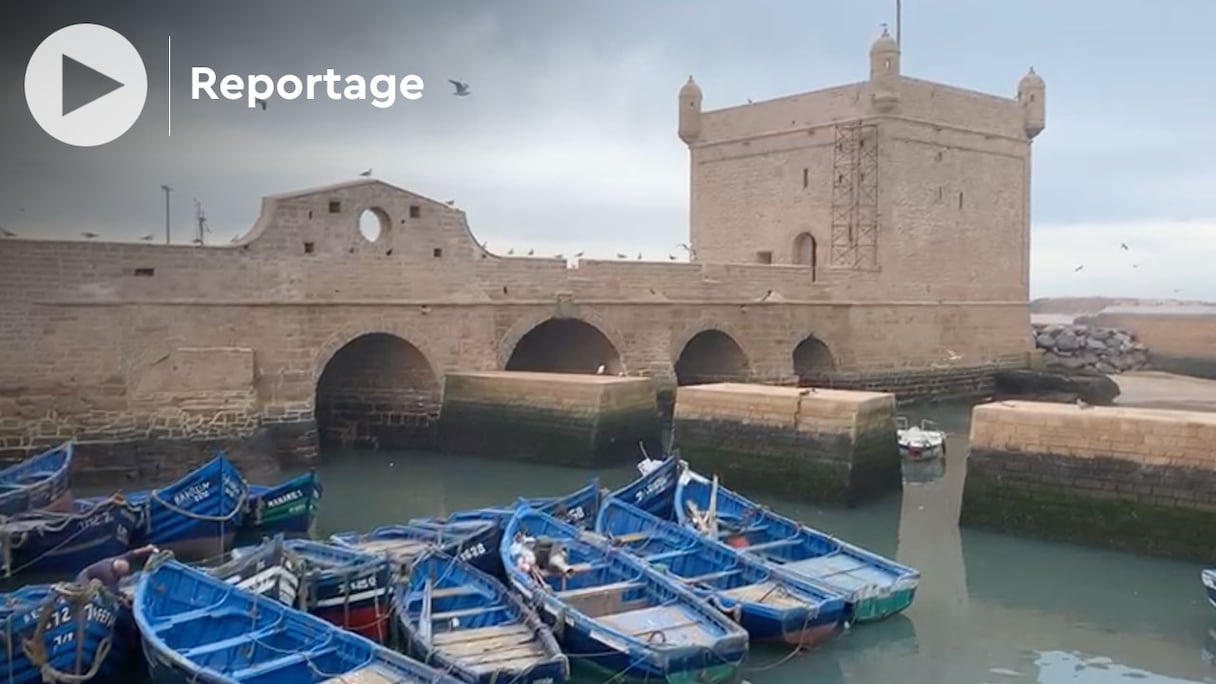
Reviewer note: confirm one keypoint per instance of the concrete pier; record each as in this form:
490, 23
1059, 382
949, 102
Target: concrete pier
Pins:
832, 446
1134, 479
562, 418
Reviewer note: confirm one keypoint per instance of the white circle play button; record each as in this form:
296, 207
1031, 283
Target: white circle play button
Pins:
86, 85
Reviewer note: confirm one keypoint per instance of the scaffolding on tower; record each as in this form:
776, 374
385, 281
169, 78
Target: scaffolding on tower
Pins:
854, 243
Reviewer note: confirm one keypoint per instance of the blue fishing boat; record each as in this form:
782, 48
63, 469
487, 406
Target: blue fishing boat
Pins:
289, 507
47, 541
269, 569
465, 622
198, 516
344, 586
470, 540
66, 632
39, 482
577, 508
197, 629
770, 606
1209, 585
655, 490
612, 611
874, 587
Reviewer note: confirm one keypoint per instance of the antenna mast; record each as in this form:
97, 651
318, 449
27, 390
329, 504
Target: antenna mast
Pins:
200, 222
898, 16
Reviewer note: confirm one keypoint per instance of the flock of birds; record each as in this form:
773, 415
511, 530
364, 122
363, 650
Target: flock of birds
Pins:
579, 255
1123, 246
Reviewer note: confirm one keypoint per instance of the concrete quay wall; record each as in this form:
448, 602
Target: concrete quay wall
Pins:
1141, 480
833, 446
566, 419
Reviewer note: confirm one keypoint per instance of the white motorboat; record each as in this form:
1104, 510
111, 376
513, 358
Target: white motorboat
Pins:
919, 442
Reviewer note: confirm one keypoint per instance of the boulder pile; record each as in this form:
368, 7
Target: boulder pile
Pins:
1079, 347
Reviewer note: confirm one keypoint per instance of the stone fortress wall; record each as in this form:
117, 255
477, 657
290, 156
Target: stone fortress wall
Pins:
305, 323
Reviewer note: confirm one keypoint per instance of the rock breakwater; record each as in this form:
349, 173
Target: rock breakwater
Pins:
1079, 347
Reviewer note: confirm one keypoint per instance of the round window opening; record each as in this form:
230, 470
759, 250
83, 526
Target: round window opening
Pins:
373, 224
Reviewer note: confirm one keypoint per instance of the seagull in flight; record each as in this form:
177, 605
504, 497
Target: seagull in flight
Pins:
7, 233
366, 174
1078, 268
89, 236
462, 88
1123, 246
147, 238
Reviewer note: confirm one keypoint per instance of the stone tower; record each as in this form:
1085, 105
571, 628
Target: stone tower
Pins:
868, 183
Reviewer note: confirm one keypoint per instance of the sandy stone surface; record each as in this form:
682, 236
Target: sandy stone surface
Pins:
1155, 389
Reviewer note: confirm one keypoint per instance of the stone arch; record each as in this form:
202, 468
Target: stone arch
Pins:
711, 355
813, 360
377, 389
564, 345
806, 251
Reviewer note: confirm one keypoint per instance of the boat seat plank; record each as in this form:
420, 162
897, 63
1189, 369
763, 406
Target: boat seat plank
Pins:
465, 612
668, 555
630, 537
584, 567
711, 576
373, 674
585, 592
457, 636
843, 571
771, 545
464, 650
766, 593
680, 625
277, 664
445, 592
513, 665
499, 655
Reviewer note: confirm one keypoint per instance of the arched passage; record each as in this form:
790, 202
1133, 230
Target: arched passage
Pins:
805, 250
565, 345
812, 360
380, 391
712, 356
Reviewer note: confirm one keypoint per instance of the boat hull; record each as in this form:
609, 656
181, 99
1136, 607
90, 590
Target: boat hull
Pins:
874, 587
288, 508
484, 611
43, 541
628, 599
347, 588
41, 482
655, 491
474, 541
76, 618
198, 516
1209, 585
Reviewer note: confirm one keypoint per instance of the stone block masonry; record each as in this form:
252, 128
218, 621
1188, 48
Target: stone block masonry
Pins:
830, 446
560, 418
1141, 480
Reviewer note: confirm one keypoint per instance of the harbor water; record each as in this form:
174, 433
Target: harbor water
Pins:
991, 608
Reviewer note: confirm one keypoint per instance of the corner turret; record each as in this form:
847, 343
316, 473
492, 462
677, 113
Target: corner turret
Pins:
1032, 94
884, 73
690, 112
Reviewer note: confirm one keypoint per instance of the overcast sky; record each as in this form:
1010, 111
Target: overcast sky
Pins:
568, 140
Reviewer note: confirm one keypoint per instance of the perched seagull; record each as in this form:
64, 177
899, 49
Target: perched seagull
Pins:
511, 251
531, 252
622, 256
579, 255
148, 238
197, 241
639, 256
559, 256
366, 174
462, 89
236, 239
1123, 245
89, 236
7, 233
261, 103
600, 370
671, 257
450, 203
749, 100
1081, 403
1078, 268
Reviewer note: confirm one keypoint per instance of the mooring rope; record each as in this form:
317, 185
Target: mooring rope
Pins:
35, 647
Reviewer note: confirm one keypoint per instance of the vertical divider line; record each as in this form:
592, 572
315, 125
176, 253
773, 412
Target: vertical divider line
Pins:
169, 78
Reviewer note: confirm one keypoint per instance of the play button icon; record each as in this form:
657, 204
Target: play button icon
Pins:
86, 85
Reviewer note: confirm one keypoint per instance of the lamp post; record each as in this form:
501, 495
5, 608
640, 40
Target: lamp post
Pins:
168, 235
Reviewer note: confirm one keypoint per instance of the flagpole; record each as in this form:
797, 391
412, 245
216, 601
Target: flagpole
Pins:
897, 24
